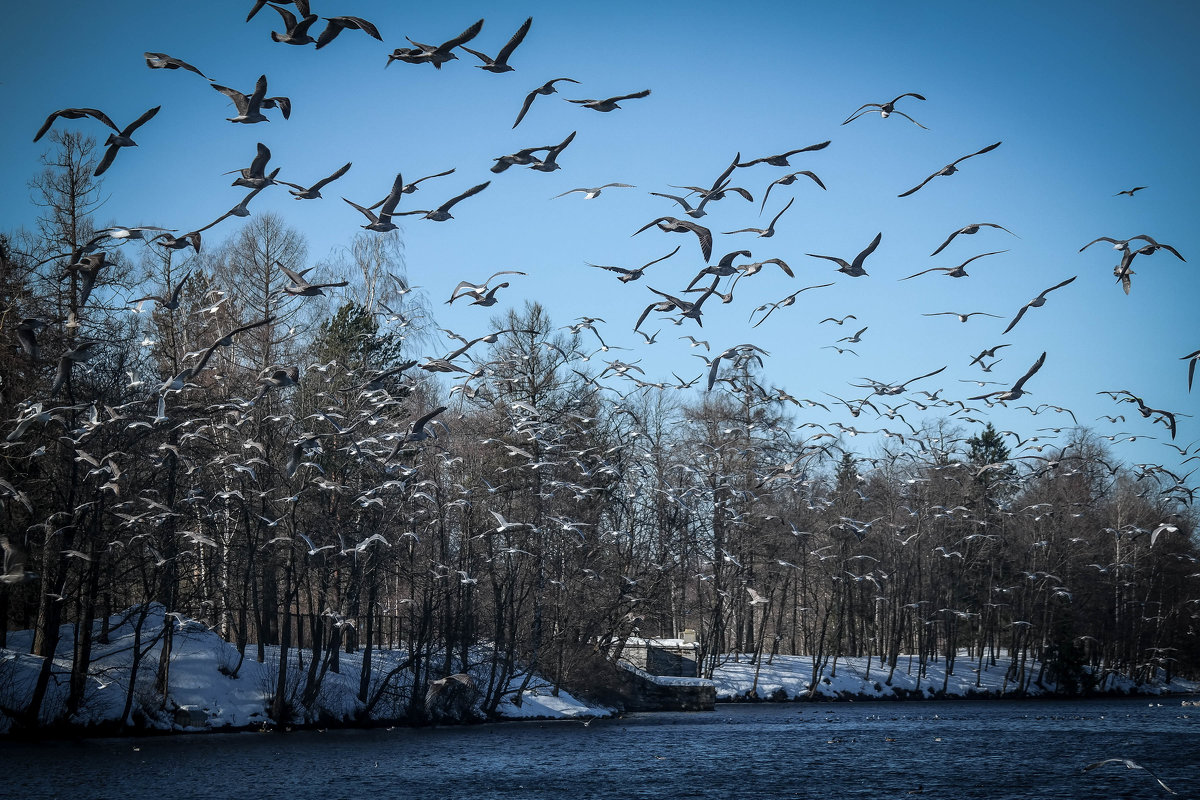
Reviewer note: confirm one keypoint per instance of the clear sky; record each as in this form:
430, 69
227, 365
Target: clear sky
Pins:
1088, 98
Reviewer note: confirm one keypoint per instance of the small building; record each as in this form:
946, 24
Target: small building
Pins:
678, 658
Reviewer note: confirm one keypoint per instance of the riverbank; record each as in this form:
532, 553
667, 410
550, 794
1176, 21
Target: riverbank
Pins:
204, 694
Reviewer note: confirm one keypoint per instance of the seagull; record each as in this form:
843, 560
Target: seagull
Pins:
335, 25
383, 222
892, 389
855, 269
1129, 764
88, 269
295, 32
856, 338
477, 290
591, 193
442, 212
500, 62
1129, 191
967, 230
886, 109
955, 272
164, 61
121, 139
74, 113
431, 54
737, 351
1192, 358
300, 287
1017, 389
785, 302
989, 353
417, 433
756, 599
769, 231
27, 330
687, 309
950, 168
82, 352
250, 107
313, 192
1037, 302
610, 103
629, 275
841, 321
788, 180
171, 302
962, 317
781, 160
253, 176
546, 88
673, 225
226, 341
549, 163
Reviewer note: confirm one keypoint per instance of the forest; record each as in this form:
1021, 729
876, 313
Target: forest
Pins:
293, 464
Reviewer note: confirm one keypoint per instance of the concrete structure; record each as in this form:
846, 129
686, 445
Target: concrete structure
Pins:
677, 658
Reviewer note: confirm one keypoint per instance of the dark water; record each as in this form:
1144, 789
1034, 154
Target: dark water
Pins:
990, 750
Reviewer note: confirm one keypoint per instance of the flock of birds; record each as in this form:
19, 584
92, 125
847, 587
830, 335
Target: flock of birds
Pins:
711, 284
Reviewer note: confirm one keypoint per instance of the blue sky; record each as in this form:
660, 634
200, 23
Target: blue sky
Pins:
1087, 98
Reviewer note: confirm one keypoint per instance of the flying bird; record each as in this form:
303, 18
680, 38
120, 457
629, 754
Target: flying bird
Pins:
885, 109
1037, 302
122, 138
383, 222
781, 160
74, 113
1017, 389
788, 180
950, 168
628, 275
295, 31
442, 212
967, 230
1129, 191
673, 225
546, 88
249, 107
962, 317
591, 193
434, 54
300, 287
171, 301
784, 303
1191, 358
610, 103
313, 192
769, 231
854, 269
335, 25
500, 62
254, 176
1129, 764
955, 272
226, 341
164, 61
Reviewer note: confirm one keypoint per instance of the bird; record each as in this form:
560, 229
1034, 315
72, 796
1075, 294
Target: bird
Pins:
737, 351
1129, 191
546, 88
781, 160
756, 599
442, 684
550, 163
295, 31
955, 272
164, 61
171, 301
673, 225
885, 109
122, 138
591, 193
988, 353
1130, 764
841, 321
856, 338
973, 228
275, 377
314, 192
500, 62
784, 303
788, 180
477, 290
489, 297
254, 176
227, 341
1017, 389
88, 269
434, 54
687, 309
27, 330
769, 231
383, 222
15, 559
250, 107
898, 388
1191, 358
300, 287
74, 113
416, 433
609, 103
950, 168
82, 351
962, 317
1037, 302
335, 25
442, 212
854, 269
628, 275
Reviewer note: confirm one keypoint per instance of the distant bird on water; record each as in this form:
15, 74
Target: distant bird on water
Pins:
950, 168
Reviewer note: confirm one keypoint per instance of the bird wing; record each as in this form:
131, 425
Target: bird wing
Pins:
339, 173
389, 204
910, 119
517, 38
634, 96
75, 113
109, 154
1098, 239
240, 101
464, 37
1058, 286
472, 191
259, 164
1036, 366
1015, 319
137, 123
528, 102
861, 257
921, 184
906, 94
987, 149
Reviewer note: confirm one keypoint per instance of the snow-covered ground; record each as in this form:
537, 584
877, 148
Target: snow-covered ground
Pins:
202, 691
203, 696
790, 677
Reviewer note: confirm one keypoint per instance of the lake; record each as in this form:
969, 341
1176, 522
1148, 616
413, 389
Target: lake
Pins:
995, 750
